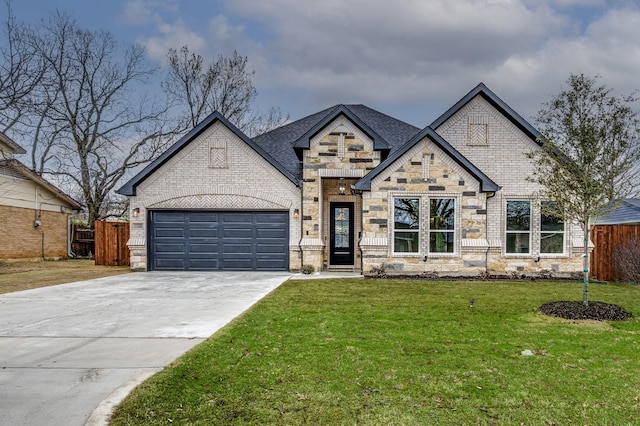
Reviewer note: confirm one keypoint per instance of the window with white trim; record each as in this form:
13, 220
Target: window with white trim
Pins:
518, 229
406, 225
552, 230
442, 224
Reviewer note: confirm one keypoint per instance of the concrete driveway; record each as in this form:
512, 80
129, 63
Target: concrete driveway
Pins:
68, 353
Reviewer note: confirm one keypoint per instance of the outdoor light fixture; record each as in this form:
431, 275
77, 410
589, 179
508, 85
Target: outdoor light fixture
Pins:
296, 213
342, 187
136, 212
63, 209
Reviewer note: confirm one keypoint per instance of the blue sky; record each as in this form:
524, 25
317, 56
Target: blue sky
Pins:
411, 59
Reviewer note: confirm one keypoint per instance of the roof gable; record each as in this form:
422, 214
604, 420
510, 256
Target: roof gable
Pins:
8, 147
20, 169
496, 102
303, 142
130, 187
486, 184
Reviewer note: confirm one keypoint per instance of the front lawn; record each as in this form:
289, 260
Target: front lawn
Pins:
394, 352
24, 275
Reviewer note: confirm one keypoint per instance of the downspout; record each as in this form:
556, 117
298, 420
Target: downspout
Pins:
359, 194
300, 185
486, 224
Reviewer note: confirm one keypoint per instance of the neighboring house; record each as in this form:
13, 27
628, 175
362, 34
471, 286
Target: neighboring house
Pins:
627, 213
616, 230
34, 213
350, 188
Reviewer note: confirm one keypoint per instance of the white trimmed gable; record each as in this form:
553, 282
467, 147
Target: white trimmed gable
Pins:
493, 143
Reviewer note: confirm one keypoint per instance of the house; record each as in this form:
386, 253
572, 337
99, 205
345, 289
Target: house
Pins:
34, 213
615, 237
350, 188
627, 213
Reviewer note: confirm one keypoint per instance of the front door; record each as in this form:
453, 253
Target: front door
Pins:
342, 241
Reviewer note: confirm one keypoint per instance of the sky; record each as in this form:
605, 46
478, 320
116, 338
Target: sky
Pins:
410, 59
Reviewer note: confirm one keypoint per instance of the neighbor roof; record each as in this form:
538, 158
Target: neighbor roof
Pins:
628, 212
17, 149
22, 170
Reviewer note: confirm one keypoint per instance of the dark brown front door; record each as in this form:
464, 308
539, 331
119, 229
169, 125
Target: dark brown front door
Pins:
342, 241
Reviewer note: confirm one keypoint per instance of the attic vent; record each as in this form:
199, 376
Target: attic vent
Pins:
217, 153
478, 130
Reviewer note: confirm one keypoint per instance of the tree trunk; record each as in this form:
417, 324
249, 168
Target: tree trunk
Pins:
585, 263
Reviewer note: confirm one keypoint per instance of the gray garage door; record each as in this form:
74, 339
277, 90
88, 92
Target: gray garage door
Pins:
219, 240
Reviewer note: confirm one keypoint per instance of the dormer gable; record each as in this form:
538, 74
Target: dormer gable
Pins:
337, 115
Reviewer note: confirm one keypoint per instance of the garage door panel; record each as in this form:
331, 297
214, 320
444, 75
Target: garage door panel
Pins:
219, 240
203, 248
168, 217
203, 233
169, 232
276, 233
206, 217
169, 248
270, 264
203, 264
266, 249
173, 263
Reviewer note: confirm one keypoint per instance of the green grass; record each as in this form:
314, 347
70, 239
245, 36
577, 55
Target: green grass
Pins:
393, 352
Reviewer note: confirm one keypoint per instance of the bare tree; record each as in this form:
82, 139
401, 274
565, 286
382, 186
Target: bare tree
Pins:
588, 161
20, 71
89, 124
224, 85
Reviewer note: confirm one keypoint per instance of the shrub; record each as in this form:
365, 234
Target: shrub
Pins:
627, 260
307, 269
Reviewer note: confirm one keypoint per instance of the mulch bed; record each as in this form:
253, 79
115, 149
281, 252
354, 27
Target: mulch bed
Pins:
574, 310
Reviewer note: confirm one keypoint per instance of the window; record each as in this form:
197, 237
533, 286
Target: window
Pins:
518, 226
406, 225
441, 225
551, 230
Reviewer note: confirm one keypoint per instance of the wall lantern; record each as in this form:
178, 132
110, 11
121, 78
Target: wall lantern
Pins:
136, 212
296, 213
63, 209
342, 186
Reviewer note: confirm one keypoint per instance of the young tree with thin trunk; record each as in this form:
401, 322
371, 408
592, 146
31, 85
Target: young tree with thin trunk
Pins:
589, 156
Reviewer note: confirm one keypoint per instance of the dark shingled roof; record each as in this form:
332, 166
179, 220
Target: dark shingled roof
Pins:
279, 143
628, 212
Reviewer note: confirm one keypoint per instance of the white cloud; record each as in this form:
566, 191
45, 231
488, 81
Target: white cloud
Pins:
410, 52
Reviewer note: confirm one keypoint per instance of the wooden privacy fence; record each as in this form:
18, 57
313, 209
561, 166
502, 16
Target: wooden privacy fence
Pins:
605, 240
111, 243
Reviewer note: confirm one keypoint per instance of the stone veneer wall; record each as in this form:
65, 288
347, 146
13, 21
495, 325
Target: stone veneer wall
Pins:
341, 150
425, 171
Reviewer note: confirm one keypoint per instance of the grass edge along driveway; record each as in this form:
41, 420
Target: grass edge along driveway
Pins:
380, 352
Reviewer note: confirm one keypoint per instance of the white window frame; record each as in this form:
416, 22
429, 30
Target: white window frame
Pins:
540, 232
530, 251
417, 231
453, 232
424, 230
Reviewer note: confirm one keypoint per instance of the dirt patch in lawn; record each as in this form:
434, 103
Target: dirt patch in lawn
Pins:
18, 276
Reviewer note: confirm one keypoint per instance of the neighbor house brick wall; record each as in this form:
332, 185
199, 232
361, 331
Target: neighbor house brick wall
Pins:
215, 171
22, 240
